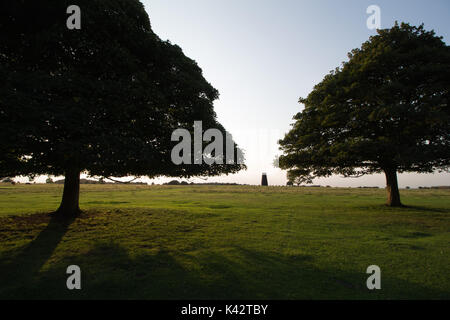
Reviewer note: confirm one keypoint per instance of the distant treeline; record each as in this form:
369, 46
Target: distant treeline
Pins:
87, 181
185, 183
438, 187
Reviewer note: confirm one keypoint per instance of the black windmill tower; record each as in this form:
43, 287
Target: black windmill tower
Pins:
264, 181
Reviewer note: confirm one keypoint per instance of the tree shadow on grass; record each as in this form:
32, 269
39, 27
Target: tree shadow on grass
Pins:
402, 209
110, 271
24, 265
427, 209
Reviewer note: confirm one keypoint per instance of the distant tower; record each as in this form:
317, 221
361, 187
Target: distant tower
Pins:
264, 182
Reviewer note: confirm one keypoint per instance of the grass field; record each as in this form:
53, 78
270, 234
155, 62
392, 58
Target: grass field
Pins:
224, 242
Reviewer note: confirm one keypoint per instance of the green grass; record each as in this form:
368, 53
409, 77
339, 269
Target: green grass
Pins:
224, 242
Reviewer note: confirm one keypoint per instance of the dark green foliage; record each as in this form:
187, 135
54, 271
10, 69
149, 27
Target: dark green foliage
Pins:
385, 110
102, 100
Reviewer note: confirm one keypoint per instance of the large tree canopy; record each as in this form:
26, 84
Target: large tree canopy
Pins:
102, 100
385, 110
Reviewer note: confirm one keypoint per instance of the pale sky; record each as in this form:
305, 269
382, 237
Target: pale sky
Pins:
262, 55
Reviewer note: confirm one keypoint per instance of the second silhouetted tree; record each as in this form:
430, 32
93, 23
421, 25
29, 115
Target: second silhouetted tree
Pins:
385, 110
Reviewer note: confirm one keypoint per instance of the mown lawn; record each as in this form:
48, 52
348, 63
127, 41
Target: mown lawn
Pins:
224, 242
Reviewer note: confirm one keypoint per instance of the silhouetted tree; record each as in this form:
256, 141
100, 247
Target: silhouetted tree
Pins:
385, 110
103, 100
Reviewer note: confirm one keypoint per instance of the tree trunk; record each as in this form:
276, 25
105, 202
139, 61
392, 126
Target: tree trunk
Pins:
71, 195
392, 188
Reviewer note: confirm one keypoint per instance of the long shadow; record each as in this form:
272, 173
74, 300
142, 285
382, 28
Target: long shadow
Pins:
427, 209
25, 266
110, 271
402, 209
